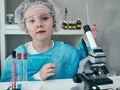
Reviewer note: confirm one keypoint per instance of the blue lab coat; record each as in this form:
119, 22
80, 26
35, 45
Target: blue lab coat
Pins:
65, 56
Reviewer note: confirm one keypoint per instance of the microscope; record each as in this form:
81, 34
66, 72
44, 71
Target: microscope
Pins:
92, 70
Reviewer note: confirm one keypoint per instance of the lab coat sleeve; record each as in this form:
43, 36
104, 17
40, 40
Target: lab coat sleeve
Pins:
72, 58
7, 73
82, 51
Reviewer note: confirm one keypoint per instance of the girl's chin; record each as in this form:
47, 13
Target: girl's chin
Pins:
42, 38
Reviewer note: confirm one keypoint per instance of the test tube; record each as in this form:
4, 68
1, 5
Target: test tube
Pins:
13, 70
25, 67
19, 67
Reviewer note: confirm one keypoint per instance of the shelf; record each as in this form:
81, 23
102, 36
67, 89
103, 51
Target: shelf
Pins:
14, 30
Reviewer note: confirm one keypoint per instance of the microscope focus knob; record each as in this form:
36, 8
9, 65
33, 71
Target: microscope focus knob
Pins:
76, 78
94, 88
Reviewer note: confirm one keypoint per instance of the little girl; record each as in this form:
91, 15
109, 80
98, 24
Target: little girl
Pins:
47, 58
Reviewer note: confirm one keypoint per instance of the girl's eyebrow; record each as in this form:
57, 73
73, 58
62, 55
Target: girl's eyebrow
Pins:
42, 15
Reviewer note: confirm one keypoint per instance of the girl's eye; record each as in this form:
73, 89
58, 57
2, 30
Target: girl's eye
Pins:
44, 18
31, 20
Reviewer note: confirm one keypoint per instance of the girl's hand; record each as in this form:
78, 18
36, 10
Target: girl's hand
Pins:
94, 31
47, 70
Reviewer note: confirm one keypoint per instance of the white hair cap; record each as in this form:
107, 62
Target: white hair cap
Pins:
27, 5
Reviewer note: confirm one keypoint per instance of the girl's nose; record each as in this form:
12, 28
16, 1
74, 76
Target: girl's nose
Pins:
40, 25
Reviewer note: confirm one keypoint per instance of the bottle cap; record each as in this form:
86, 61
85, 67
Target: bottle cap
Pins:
13, 54
64, 21
25, 56
19, 56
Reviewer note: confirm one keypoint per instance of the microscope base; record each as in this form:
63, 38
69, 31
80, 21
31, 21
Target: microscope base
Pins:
98, 80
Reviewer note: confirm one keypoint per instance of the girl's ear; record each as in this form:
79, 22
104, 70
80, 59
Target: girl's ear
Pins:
54, 24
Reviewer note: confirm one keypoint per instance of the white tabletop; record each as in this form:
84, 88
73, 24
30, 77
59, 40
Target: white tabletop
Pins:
60, 84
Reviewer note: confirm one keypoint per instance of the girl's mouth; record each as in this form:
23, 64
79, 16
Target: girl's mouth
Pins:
41, 31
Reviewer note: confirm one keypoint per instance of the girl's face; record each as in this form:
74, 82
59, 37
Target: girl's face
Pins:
39, 24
